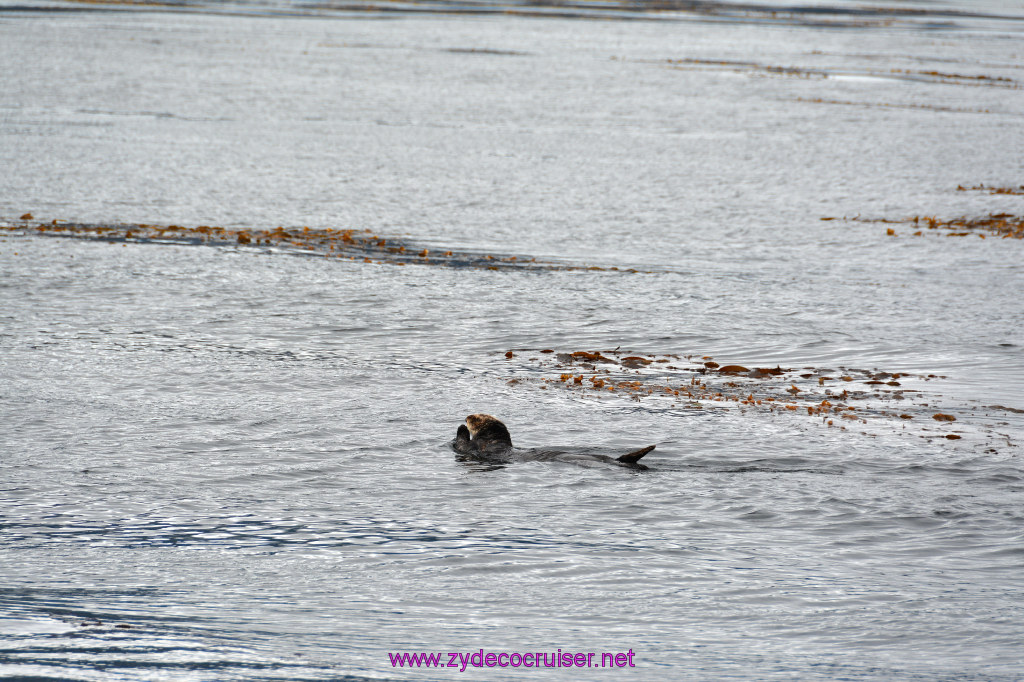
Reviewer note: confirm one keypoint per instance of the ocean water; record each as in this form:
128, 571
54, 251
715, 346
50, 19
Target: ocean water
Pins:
224, 460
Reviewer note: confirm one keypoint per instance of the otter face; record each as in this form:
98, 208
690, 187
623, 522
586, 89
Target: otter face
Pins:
478, 422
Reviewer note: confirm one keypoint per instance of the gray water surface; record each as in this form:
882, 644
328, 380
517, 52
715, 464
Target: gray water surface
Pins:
231, 461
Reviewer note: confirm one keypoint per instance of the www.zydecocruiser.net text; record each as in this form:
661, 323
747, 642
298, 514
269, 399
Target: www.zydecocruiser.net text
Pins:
462, 660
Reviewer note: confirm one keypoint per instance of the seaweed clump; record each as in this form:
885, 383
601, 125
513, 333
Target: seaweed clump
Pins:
839, 397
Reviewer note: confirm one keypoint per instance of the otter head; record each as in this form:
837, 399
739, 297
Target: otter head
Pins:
488, 430
479, 422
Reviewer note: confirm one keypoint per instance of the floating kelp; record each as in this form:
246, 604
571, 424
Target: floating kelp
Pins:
757, 68
959, 78
991, 190
351, 244
745, 66
840, 397
892, 105
1003, 225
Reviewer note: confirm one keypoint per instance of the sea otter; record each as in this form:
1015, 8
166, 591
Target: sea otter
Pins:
485, 437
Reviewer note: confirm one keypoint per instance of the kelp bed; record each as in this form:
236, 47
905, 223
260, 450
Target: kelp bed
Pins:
350, 244
840, 397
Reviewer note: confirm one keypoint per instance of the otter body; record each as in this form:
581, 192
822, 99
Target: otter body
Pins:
485, 437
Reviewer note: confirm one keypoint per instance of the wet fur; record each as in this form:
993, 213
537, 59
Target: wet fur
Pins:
487, 438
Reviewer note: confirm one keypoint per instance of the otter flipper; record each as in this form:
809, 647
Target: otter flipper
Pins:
634, 457
461, 442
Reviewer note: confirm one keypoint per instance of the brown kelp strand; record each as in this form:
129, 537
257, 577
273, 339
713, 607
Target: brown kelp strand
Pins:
1003, 225
351, 244
758, 68
892, 105
992, 190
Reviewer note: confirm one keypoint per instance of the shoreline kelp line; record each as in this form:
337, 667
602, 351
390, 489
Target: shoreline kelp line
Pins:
852, 17
837, 397
349, 244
